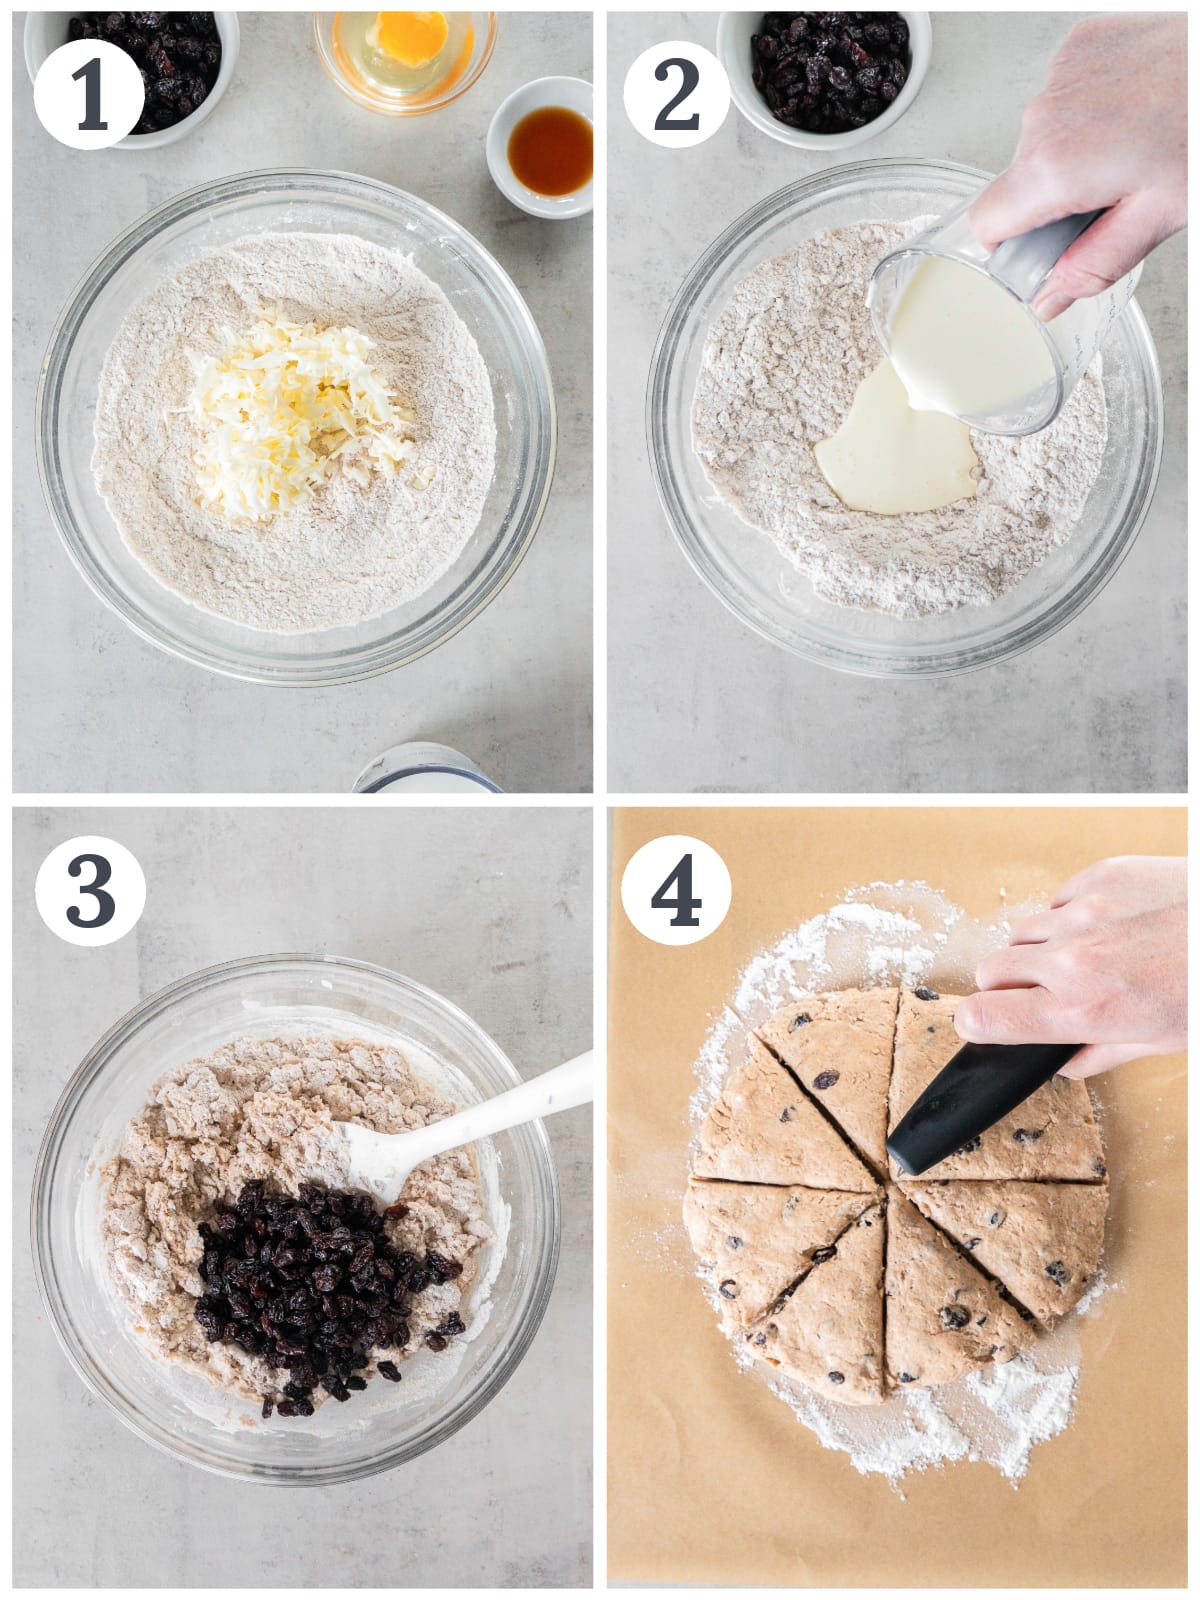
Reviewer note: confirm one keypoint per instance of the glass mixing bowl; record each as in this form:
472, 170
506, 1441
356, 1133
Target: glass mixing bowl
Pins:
384, 1425
397, 103
279, 201
746, 570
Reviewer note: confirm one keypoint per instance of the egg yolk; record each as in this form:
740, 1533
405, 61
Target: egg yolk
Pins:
412, 38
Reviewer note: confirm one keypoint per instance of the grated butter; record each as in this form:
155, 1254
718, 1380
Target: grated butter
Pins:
281, 407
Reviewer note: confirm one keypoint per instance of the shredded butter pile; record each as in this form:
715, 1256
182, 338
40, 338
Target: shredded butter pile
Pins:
281, 406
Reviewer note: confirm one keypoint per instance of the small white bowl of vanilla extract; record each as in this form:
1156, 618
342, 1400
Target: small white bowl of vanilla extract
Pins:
539, 148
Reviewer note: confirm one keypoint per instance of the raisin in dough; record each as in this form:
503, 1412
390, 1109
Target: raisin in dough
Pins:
944, 1318
765, 1129
1041, 1240
1051, 1135
840, 1047
760, 1239
829, 1333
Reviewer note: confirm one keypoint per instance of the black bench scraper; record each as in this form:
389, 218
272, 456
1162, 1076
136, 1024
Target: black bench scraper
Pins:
976, 1087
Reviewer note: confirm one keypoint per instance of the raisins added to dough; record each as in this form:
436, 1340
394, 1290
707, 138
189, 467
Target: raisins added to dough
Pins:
924, 993
954, 1316
312, 1284
826, 1080
801, 1021
996, 1218
1058, 1274
907, 1377
728, 1289
1028, 1135
837, 1377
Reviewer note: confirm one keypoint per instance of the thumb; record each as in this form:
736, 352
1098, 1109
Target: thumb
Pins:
1010, 205
1095, 1058
1011, 1016
1111, 247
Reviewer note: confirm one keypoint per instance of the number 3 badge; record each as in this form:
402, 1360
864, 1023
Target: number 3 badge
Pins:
677, 94
676, 890
90, 891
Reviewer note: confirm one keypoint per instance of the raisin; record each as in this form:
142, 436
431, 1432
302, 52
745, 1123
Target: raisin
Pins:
925, 993
972, 1244
825, 1253
807, 66
801, 1021
1027, 1135
996, 1218
389, 1370
969, 1148
786, 1114
826, 1080
836, 1377
954, 1316
729, 1289
1058, 1274
907, 1377
1099, 1168
734, 1242
275, 1272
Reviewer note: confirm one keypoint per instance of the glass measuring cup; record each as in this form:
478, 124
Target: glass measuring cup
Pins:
1019, 266
423, 768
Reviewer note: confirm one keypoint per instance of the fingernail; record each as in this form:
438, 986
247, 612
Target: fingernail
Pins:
1049, 306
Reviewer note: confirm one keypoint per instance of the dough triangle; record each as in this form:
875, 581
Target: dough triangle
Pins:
1041, 1240
829, 1333
1051, 1135
759, 1239
944, 1318
839, 1045
765, 1129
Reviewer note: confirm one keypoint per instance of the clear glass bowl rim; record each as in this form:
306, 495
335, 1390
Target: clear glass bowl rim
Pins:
379, 656
543, 1269
378, 103
1048, 621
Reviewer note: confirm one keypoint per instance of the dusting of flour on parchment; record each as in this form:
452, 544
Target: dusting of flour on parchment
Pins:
905, 933
779, 370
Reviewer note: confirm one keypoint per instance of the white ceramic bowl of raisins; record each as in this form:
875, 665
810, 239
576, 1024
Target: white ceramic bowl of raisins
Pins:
45, 31
737, 29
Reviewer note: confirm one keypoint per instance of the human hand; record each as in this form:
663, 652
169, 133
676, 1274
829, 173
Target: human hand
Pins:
1109, 131
1105, 967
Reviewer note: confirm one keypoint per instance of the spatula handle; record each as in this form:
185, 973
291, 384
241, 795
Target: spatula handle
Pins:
556, 1090
976, 1087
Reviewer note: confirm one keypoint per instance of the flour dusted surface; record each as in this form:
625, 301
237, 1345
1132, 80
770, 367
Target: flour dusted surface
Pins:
264, 1109
350, 553
778, 373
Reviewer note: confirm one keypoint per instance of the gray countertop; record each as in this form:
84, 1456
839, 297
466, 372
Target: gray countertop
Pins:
98, 711
493, 909
699, 703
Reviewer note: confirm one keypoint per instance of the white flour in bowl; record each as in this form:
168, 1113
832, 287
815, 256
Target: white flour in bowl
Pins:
905, 933
350, 553
779, 370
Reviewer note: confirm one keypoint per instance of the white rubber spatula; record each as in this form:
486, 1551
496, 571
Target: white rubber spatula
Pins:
381, 1162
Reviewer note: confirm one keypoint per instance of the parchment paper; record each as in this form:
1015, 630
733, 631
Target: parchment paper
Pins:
711, 1478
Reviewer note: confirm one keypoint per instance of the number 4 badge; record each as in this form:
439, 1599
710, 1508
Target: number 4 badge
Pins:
676, 890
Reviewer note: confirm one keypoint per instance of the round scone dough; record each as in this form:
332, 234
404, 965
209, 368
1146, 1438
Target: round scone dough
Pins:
853, 1279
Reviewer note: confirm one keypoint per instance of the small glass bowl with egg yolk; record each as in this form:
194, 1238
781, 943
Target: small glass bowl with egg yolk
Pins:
404, 63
